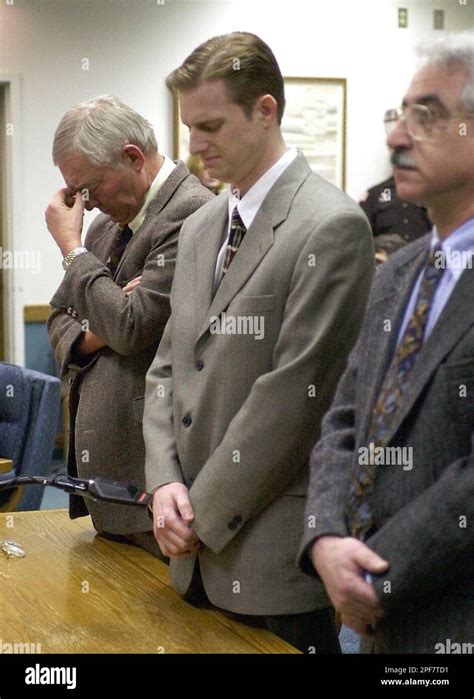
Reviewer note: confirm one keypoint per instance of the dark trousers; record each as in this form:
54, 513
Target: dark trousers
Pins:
309, 632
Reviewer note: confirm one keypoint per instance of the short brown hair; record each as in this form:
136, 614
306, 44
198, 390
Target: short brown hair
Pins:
243, 60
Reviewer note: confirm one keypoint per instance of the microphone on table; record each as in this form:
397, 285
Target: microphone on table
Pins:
95, 488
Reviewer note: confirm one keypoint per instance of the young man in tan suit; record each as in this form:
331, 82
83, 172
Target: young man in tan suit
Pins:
271, 283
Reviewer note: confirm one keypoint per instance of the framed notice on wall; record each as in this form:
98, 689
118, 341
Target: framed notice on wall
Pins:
314, 121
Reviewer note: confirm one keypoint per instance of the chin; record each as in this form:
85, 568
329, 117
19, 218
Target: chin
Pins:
407, 191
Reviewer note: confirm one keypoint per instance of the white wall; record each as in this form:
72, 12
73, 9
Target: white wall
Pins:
132, 45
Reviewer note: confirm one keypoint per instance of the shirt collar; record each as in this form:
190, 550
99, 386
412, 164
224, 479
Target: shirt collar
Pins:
163, 173
253, 199
458, 248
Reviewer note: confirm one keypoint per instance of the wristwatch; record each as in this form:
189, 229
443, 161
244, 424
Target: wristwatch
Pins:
71, 255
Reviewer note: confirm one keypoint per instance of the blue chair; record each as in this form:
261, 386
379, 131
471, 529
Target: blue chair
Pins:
29, 408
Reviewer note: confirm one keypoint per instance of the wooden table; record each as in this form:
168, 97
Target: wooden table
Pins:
75, 592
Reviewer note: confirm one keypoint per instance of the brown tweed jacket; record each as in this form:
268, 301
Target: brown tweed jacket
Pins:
107, 391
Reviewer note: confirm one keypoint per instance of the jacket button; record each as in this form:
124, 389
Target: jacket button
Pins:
234, 523
199, 365
187, 420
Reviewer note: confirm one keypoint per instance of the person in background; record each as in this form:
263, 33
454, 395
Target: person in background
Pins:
270, 288
390, 215
385, 245
113, 303
196, 166
388, 525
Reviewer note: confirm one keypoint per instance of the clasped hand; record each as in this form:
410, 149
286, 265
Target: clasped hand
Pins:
172, 518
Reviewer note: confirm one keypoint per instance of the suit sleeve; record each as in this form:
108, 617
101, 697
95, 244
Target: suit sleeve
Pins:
161, 463
126, 323
63, 332
331, 466
428, 542
322, 317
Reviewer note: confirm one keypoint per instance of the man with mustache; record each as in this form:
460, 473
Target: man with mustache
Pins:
113, 303
394, 547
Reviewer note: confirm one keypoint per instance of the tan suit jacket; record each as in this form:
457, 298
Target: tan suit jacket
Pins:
233, 416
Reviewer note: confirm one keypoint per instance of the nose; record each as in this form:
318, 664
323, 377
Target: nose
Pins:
399, 136
197, 142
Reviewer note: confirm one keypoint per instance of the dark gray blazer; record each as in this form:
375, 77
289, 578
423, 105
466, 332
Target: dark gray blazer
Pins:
233, 416
107, 394
420, 514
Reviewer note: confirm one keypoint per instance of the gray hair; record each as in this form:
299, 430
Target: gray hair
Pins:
99, 128
449, 50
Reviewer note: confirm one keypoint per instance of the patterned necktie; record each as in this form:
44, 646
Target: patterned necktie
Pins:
120, 243
396, 381
236, 235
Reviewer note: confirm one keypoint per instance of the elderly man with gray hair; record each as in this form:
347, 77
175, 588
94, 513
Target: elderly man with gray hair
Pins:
112, 306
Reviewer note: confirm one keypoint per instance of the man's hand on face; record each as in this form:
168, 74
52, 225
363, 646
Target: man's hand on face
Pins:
172, 518
65, 222
342, 564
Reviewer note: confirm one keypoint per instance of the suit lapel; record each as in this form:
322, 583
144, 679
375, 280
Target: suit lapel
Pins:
255, 245
163, 196
207, 243
391, 307
103, 244
257, 241
454, 321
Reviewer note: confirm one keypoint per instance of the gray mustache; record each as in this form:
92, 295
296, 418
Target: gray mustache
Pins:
401, 158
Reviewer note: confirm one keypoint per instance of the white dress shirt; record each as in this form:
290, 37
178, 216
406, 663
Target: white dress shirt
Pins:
163, 173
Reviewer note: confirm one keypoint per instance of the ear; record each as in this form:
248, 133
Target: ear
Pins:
133, 156
266, 108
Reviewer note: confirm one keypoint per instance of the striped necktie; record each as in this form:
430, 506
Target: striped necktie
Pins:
236, 235
396, 381
120, 243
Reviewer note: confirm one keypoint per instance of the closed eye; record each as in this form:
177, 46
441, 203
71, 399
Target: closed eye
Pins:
208, 126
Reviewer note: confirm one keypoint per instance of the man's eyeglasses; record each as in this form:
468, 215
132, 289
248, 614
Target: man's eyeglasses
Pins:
421, 121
